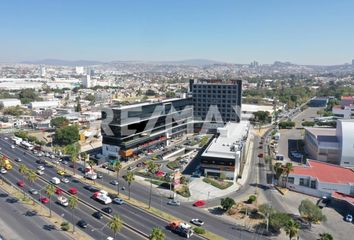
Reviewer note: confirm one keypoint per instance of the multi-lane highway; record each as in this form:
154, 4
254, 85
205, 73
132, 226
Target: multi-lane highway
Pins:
134, 217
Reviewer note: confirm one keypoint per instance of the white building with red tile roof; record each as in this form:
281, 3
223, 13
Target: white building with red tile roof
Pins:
321, 179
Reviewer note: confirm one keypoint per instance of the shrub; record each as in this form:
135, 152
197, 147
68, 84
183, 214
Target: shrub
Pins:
65, 226
227, 203
199, 230
311, 212
252, 198
184, 191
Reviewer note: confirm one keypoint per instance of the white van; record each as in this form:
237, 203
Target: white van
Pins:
55, 180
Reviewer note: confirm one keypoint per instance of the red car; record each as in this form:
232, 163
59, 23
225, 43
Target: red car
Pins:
73, 190
95, 194
44, 199
21, 183
58, 191
260, 155
199, 203
160, 174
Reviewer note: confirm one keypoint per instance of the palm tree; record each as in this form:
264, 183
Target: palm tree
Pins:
129, 178
31, 176
73, 201
325, 236
117, 167
287, 170
116, 224
291, 228
49, 190
157, 234
278, 168
23, 171
152, 169
84, 157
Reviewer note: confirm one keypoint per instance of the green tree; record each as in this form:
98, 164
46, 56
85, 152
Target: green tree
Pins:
117, 167
67, 135
262, 117
73, 150
278, 168
28, 95
59, 122
227, 203
49, 190
31, 176
90, 97
266, 210
278, 220
311, 212
116, 224
325, 236
23, 170
157, 234
73, 202
14, 111
129, 178
78, 105
292, 229
288, 168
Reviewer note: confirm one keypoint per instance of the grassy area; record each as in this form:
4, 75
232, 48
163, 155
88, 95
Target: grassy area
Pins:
217, 183
184, 191
173, 165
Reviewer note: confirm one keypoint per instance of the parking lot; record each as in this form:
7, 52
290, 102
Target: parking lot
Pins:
290, 144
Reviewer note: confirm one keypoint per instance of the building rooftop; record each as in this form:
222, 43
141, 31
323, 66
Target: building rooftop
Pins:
146, 103
329, 132
230, 137
325, 172
348, 98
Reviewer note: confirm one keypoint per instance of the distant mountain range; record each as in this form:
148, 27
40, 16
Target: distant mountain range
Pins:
59, 62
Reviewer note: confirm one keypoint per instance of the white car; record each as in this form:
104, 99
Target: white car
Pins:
52, 156
40, 168
12, 146
3, 170
18, 160
40, 172
65, 180
197, 222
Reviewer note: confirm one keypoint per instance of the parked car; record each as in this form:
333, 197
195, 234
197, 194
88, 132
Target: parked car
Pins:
349, 218
174, 202
197, 222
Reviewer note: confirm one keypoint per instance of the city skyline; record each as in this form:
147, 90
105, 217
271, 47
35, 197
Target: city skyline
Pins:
226, 31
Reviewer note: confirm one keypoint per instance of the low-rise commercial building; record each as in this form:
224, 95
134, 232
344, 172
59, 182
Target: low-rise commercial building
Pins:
345, 112
321, 179
9, 102
332, 145
131, 129
318, 102
44, 104
224, 153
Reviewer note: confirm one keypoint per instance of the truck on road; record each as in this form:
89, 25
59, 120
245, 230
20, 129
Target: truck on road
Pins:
181, 228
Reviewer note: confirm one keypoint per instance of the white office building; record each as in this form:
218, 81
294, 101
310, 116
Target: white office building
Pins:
332, 145
44, 104
9, 102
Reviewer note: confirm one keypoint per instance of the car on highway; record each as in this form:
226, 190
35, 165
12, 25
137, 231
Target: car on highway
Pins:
118, 201
18, 160
82, 224
40, 167
61, 172
349, 218
40, 172
39, 161
197, 222
21, 183
114, 182
55, 180
91, 188
12, 146
174, 202
99, 176
65, 162
31, 213
260, 155
3, 170
33, 191
199, 203
58, 191
107, 210
97, 215
73, 190
44, 199
65, 180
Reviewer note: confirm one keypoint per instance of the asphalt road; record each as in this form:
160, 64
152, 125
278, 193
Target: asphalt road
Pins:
135, 217
14, 224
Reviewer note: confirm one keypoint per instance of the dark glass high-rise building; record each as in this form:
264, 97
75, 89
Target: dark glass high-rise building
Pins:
225, 95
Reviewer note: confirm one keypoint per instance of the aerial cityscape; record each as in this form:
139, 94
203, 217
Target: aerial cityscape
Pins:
220, 120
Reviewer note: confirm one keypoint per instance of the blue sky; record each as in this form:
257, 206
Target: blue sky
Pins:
301, 31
